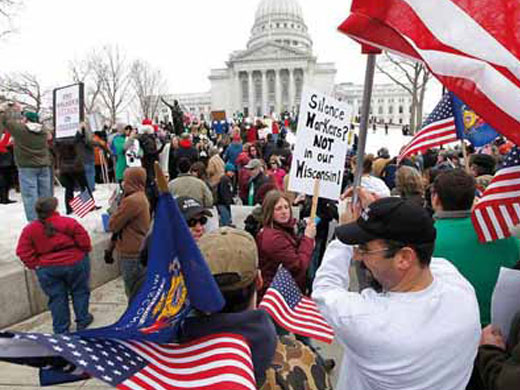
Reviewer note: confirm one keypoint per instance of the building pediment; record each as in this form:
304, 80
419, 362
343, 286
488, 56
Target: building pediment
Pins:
268, 51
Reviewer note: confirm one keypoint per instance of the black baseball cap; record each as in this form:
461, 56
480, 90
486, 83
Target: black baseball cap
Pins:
391, 219
191, 208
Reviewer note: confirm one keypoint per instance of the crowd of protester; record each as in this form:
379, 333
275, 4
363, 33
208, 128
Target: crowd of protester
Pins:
420, 318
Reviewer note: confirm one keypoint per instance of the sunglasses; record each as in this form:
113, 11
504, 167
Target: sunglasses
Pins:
194, 221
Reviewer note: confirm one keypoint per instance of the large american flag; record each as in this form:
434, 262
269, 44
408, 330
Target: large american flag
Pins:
292, 310
438, 129
499, 207
472, 47
217, 362
82, 204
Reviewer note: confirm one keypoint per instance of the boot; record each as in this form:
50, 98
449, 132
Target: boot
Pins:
4, 196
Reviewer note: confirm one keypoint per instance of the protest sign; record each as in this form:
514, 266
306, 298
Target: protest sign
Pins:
68, 110
321, 145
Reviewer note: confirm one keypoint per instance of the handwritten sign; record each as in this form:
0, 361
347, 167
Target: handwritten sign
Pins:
321, 145
68, 110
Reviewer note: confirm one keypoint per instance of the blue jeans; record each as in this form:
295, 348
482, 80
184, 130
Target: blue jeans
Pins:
224, 213
58, 282
90, 173
34, 183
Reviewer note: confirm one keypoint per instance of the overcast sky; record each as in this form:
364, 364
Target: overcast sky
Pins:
183, 38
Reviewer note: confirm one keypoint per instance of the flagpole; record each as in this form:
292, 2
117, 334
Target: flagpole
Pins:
363, 125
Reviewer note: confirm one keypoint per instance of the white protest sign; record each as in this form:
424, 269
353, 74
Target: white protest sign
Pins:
68, 110
321, 145
504, 301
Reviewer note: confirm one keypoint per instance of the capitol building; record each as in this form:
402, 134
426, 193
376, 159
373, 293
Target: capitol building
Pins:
267, 77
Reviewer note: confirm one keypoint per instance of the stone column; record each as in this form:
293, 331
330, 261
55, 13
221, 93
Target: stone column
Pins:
237, 87
292, 89
251, 100
278, 91
265, 105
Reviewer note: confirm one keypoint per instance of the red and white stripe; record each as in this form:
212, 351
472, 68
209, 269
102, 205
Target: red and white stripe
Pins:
436, 134
81, 208
221, 362
470, 46
499, 208
305, 319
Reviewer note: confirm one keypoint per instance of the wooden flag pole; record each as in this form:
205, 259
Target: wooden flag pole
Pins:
162, 183
363, 125
315, 197
465, 154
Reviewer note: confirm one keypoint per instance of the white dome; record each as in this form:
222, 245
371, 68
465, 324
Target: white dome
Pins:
268, 8
280, 21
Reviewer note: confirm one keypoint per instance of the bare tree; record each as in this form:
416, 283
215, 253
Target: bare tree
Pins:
82, 71
413, 77
7, 9
25, 88
149, 86
112, 73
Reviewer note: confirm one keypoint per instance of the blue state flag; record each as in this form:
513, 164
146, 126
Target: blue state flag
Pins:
470, 125
177, 280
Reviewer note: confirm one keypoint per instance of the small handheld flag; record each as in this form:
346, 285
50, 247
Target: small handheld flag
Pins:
499, 207
82, 204
438, 129
293, 311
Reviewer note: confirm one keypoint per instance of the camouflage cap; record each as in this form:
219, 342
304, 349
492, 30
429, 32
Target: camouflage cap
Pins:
232, 257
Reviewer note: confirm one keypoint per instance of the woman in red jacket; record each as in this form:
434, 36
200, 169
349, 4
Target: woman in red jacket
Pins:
278, 244
57, 248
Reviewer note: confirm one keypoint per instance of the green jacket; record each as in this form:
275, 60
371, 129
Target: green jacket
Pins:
31, 149
479, 263
119, 148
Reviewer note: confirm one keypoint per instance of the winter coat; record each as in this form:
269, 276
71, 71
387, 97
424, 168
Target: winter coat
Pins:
457, 241
215, 169
186, 150
499, 369
256, 182
6, 151
279, 244
278, 175
225, 191
118, 149
31, 149
67, 246
131, 220
232, 152
70, 157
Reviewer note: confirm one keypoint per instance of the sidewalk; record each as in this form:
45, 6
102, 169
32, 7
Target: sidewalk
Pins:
107, 303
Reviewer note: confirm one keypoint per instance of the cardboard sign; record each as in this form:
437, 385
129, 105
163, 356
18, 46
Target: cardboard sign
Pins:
321, 145
68, 110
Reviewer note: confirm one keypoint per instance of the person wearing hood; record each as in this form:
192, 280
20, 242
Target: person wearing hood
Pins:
278, 243
131, 222
31, 154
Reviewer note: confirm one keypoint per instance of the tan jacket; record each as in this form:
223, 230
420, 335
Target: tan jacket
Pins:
215, 169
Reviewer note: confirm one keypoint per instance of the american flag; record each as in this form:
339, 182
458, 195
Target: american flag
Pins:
472, 47
217, 362
498, 209
293, 311
82, 204
438, 129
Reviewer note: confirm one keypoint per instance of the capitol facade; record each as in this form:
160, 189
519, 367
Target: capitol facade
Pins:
268, 76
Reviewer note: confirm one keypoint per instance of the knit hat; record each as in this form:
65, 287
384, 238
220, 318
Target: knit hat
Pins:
32, 116
232, 257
